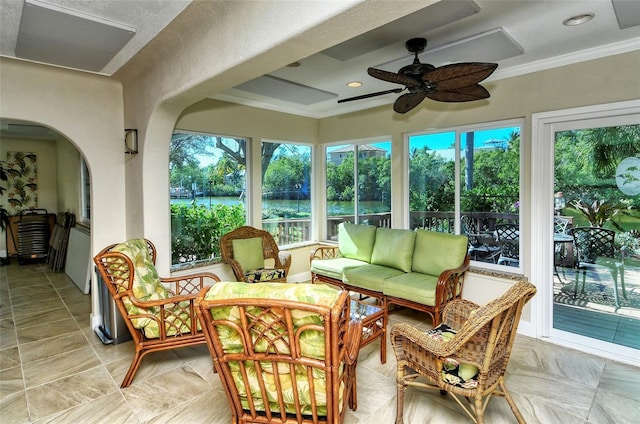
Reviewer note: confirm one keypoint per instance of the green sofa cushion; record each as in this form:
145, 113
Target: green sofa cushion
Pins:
394, 248
248, 253
370, 276
356, 241
436, 252
414, 286
334, 268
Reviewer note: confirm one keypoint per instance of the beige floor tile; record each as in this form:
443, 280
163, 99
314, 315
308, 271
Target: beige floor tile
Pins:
613, 408
63, 394
160, 393
11, 381
9, 358
27, 294
59, 366
38, 306
109, 409
42, 317
152, 364
46, 330
622, 380
14, 409
52, 346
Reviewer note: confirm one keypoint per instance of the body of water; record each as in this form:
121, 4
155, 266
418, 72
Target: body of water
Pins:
303, 205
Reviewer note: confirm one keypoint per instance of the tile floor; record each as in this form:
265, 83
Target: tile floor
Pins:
53, 369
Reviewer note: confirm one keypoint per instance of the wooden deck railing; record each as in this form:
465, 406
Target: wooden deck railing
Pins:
291, 231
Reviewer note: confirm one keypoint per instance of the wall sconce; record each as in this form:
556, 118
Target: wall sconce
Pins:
131, 141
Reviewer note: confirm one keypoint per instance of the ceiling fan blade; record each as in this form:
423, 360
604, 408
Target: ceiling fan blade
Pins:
463, 94
393, 77
406, 102
458, 75
366, 96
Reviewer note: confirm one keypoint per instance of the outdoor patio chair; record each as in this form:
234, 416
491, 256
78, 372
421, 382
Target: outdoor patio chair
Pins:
560, 226
508, 236
285, 353
466, 356
254, 256
479, 249
594, 249
159, 312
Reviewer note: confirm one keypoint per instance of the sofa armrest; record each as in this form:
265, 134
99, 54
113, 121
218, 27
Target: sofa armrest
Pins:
324, 252
450, 283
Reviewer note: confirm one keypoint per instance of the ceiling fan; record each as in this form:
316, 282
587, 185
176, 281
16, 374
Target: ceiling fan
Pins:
457, 82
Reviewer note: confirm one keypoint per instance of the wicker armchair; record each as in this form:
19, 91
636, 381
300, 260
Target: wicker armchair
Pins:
246, 248
467, 355
285, 353
159, 312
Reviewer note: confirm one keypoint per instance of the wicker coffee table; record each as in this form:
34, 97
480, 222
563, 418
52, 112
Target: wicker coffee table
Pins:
374, 324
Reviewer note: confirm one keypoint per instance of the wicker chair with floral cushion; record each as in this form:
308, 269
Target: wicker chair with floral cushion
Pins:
285, 353
467, 355
254, 256
159, 312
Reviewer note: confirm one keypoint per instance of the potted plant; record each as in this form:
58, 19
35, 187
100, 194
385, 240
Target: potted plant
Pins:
4, 213
598, 212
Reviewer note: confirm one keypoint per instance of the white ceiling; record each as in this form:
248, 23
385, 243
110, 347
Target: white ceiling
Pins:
522, 36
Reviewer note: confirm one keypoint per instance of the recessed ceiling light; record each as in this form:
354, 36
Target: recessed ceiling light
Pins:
354, 84
578, 19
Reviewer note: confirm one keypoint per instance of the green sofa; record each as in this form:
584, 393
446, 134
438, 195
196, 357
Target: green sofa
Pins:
421, 269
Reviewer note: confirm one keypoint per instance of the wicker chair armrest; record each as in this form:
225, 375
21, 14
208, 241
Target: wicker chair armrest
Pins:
189, 284
285, 260
403, 332
457, 312
352, 343
324, 252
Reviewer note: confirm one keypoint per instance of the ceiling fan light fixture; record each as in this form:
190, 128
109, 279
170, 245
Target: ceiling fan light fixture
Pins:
354, 84
578, 19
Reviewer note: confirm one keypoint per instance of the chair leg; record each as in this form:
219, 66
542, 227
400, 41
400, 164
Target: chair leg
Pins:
512, 404
132, 369
400, 402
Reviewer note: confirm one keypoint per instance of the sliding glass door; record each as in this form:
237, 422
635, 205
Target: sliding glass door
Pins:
589, 196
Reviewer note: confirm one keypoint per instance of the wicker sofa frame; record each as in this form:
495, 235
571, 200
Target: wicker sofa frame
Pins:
449, 286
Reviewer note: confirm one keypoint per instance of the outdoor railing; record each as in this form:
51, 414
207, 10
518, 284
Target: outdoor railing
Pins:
291, 231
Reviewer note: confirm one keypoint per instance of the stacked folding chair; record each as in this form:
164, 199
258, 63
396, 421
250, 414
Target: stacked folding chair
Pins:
60, 240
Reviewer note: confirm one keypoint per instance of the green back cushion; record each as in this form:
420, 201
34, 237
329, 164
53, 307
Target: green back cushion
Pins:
356, 241
146, 284
393, 248
248, 252
436, 252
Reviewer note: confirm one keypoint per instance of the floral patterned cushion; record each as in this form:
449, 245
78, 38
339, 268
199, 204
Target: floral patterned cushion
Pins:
264, 274
147, 286
453, 372
311, 343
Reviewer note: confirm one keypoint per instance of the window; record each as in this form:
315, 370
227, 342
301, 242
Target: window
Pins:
208, 194
469, 177
85, 192
286, 191
358, 191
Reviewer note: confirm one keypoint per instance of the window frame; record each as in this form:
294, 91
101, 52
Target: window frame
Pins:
312, 187
459, 130
325, 161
